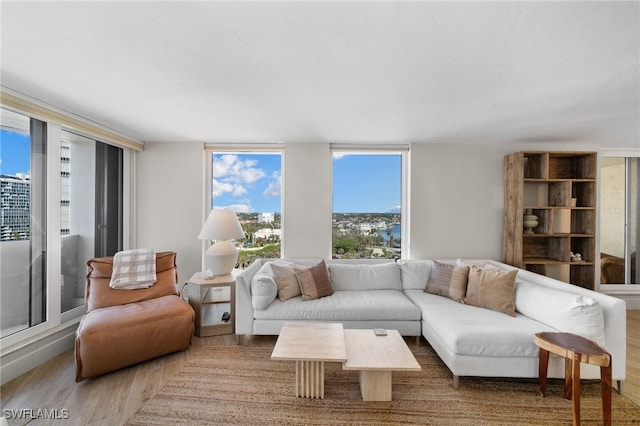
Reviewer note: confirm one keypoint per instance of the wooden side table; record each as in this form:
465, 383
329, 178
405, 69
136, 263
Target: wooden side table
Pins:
211, 298
575, 349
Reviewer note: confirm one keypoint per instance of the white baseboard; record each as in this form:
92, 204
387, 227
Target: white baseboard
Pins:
633, 302
35, 353
631, 299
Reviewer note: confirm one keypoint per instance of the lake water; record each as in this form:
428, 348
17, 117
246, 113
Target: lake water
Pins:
396, 231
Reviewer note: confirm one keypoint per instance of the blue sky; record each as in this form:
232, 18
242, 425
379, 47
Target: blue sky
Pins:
14, 153
362, 183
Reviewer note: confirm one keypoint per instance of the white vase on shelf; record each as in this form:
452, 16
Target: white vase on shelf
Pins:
529, 221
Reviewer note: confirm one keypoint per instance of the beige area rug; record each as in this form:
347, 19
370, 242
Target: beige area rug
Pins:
230, 385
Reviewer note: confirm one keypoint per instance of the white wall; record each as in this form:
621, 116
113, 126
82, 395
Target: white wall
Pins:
169, 205
456, 207
307, 200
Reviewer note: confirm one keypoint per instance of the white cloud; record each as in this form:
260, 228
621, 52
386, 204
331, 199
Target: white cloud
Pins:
250, 175
233, 174
238, 208
220, 188
275, 186
239, 190
395, 209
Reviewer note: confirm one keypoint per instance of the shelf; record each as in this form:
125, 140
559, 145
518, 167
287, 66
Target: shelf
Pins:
560, 188
212, 314
557, 235
536, 180
535, 261
217, 295
532, 207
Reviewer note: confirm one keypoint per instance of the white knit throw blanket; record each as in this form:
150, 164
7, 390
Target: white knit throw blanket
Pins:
133, 269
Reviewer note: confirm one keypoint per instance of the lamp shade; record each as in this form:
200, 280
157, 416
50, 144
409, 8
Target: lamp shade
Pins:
221, 225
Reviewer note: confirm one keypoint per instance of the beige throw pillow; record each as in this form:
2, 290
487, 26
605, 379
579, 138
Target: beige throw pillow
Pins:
286, 281
314, 281
448, 280
492, 289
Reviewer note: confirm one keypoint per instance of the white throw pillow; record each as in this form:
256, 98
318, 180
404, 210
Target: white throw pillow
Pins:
415, 273
260, 291
263, 290
562, 310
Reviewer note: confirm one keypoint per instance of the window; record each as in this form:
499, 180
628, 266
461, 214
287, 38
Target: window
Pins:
619, 220
52, 184
250, 185
23, 245
367, 204
90, 210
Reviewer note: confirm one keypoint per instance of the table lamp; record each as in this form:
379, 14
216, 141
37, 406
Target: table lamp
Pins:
221, 226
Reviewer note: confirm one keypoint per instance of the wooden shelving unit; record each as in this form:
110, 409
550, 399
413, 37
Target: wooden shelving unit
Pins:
560, 189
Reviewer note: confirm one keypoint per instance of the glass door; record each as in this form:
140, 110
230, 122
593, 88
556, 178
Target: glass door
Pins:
619, 230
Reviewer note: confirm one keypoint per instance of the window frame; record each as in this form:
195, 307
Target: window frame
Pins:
619, 289
55, 124
207, 187
389, 149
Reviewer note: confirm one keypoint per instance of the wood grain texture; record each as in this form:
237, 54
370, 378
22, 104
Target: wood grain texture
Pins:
548, 181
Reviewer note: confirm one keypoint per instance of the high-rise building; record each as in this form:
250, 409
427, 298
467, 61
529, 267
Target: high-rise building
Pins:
14, 208
65, 188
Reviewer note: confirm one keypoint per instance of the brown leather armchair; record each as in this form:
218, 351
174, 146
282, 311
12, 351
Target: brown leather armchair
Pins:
125, 327
612, 269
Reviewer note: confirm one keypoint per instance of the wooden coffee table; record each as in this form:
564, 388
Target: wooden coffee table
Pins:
310, 345
376, 357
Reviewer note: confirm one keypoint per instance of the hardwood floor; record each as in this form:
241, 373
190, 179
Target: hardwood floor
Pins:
112, 399
631, 386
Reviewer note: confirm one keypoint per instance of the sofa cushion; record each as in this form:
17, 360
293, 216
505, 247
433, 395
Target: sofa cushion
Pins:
564, 311
414, 273
286, 281
382, 276
492, 289
264, 290
448, 280
117, 336
472, 331
314, 281
371, 305
98, 294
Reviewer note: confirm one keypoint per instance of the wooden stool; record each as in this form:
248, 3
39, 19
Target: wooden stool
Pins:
575, 349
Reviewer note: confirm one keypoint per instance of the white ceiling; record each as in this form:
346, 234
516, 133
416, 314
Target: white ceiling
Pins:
352, 72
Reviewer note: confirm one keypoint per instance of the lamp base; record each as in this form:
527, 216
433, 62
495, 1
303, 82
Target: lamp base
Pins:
221, 258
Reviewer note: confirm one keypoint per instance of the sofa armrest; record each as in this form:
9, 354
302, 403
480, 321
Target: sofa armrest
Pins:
613, 309
244, 307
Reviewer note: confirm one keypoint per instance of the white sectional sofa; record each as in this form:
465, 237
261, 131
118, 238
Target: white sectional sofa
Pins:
470, 340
